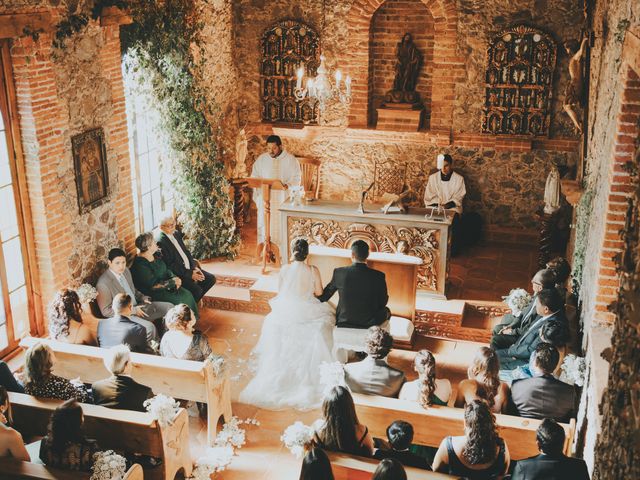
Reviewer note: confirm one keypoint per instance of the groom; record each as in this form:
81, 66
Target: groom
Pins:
363, 292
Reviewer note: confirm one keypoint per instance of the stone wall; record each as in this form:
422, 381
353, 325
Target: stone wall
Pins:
462, 30
61, 93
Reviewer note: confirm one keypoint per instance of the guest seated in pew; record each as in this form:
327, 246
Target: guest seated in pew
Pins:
340, 430
553, 332
181, 340
179, 259
65, 319
65, 446
373, 375
389, 469
480, 454
153, 278
399, 437
426, 389
8, 381
120, 391
484, 382
562, 270
543, 396
549, 306
11, 443
316, 465
551, 464
40, 382
119, 329
117, 279
511, 328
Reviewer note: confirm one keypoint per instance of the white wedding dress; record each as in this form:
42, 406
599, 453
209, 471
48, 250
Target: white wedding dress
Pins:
296, 337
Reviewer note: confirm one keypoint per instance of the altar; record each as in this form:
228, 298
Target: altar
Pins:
338, 224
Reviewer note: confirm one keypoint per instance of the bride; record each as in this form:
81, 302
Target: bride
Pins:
296, 337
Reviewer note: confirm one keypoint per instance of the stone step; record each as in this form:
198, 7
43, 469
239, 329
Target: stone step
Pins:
235, 299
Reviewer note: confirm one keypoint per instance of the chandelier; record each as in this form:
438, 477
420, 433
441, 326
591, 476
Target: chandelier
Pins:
321, 88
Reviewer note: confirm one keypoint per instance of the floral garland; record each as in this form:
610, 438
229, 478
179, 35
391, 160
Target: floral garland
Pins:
108, 465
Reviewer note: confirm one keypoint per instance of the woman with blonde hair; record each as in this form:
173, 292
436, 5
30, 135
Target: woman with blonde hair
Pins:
426, 389
40, 382
181, 340
483, 382
65, 319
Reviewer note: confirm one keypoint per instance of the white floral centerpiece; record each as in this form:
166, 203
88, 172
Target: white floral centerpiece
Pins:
163, 409
573, 370
298, 436
331, 375
215, 460
517, 299
108, 465
86, 293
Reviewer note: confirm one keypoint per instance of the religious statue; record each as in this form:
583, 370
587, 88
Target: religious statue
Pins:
408, 63
552, 192
240, 169
573, 92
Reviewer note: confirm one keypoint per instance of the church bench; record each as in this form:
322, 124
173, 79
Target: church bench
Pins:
123, 430
352, 467
184, 379
432, 425
17, 470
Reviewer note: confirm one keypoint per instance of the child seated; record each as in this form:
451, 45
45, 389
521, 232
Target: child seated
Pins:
400, 436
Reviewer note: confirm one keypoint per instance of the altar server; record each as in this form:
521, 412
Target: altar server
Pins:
445, 187
274, 163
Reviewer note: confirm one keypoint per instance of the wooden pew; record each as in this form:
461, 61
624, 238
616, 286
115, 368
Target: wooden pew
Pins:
182, 379
351, 467
134, 432
432, 425
17, 470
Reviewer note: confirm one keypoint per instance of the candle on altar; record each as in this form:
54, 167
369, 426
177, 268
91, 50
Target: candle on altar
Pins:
299, 80
348, 84
338, 78
311, 88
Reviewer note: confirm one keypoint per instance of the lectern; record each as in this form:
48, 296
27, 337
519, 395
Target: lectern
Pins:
266, 250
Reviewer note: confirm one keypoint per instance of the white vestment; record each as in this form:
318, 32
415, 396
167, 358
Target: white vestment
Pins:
441, 192
284, 167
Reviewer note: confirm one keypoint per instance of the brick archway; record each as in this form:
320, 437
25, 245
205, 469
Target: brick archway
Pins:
447, 66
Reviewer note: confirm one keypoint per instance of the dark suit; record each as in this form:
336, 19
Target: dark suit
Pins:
121, 392
363, 296
518, 324
175, 263
519, 353
406, 458
547, 467
120, 330
543, 397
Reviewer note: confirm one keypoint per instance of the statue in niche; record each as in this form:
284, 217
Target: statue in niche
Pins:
573, 93
500, 55
552, 192
408, 63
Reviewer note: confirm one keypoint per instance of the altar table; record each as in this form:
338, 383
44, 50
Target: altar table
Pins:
339, 224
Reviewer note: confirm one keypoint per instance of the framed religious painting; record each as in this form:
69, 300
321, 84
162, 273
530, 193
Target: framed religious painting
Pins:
90, 165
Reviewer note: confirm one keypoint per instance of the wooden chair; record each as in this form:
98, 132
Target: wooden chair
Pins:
183, 379
17, 470
432, 425
310, 168
116, 430
351, 467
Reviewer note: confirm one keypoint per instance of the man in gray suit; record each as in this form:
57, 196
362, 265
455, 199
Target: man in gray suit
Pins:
117, 279
373, 375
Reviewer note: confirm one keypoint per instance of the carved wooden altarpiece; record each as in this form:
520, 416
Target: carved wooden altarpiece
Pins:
521, 62
286, 46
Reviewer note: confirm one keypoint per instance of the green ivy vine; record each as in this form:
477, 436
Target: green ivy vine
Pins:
583, 217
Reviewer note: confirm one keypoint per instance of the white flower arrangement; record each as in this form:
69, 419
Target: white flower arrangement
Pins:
86, 293
297, 436
573, 370
163, 408
517, 299
215, 460
231, 434
108, 465
331, 375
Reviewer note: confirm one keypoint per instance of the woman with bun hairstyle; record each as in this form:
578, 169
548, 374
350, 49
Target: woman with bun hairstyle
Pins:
296, 338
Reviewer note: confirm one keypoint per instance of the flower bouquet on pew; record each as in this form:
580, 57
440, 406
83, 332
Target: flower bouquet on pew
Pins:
163, 408
517, 300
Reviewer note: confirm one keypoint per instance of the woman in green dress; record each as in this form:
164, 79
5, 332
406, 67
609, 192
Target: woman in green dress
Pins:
152, 276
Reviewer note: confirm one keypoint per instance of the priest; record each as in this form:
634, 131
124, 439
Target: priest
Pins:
274, 163
445, 188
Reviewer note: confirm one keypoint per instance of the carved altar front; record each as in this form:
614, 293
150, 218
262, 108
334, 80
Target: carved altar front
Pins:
338, 224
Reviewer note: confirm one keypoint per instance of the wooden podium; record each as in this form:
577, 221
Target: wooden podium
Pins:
267, 250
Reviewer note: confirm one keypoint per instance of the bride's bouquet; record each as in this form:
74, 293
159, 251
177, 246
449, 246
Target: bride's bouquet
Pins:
573, 370
297, 437
86, 293
517, 300
108, 465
